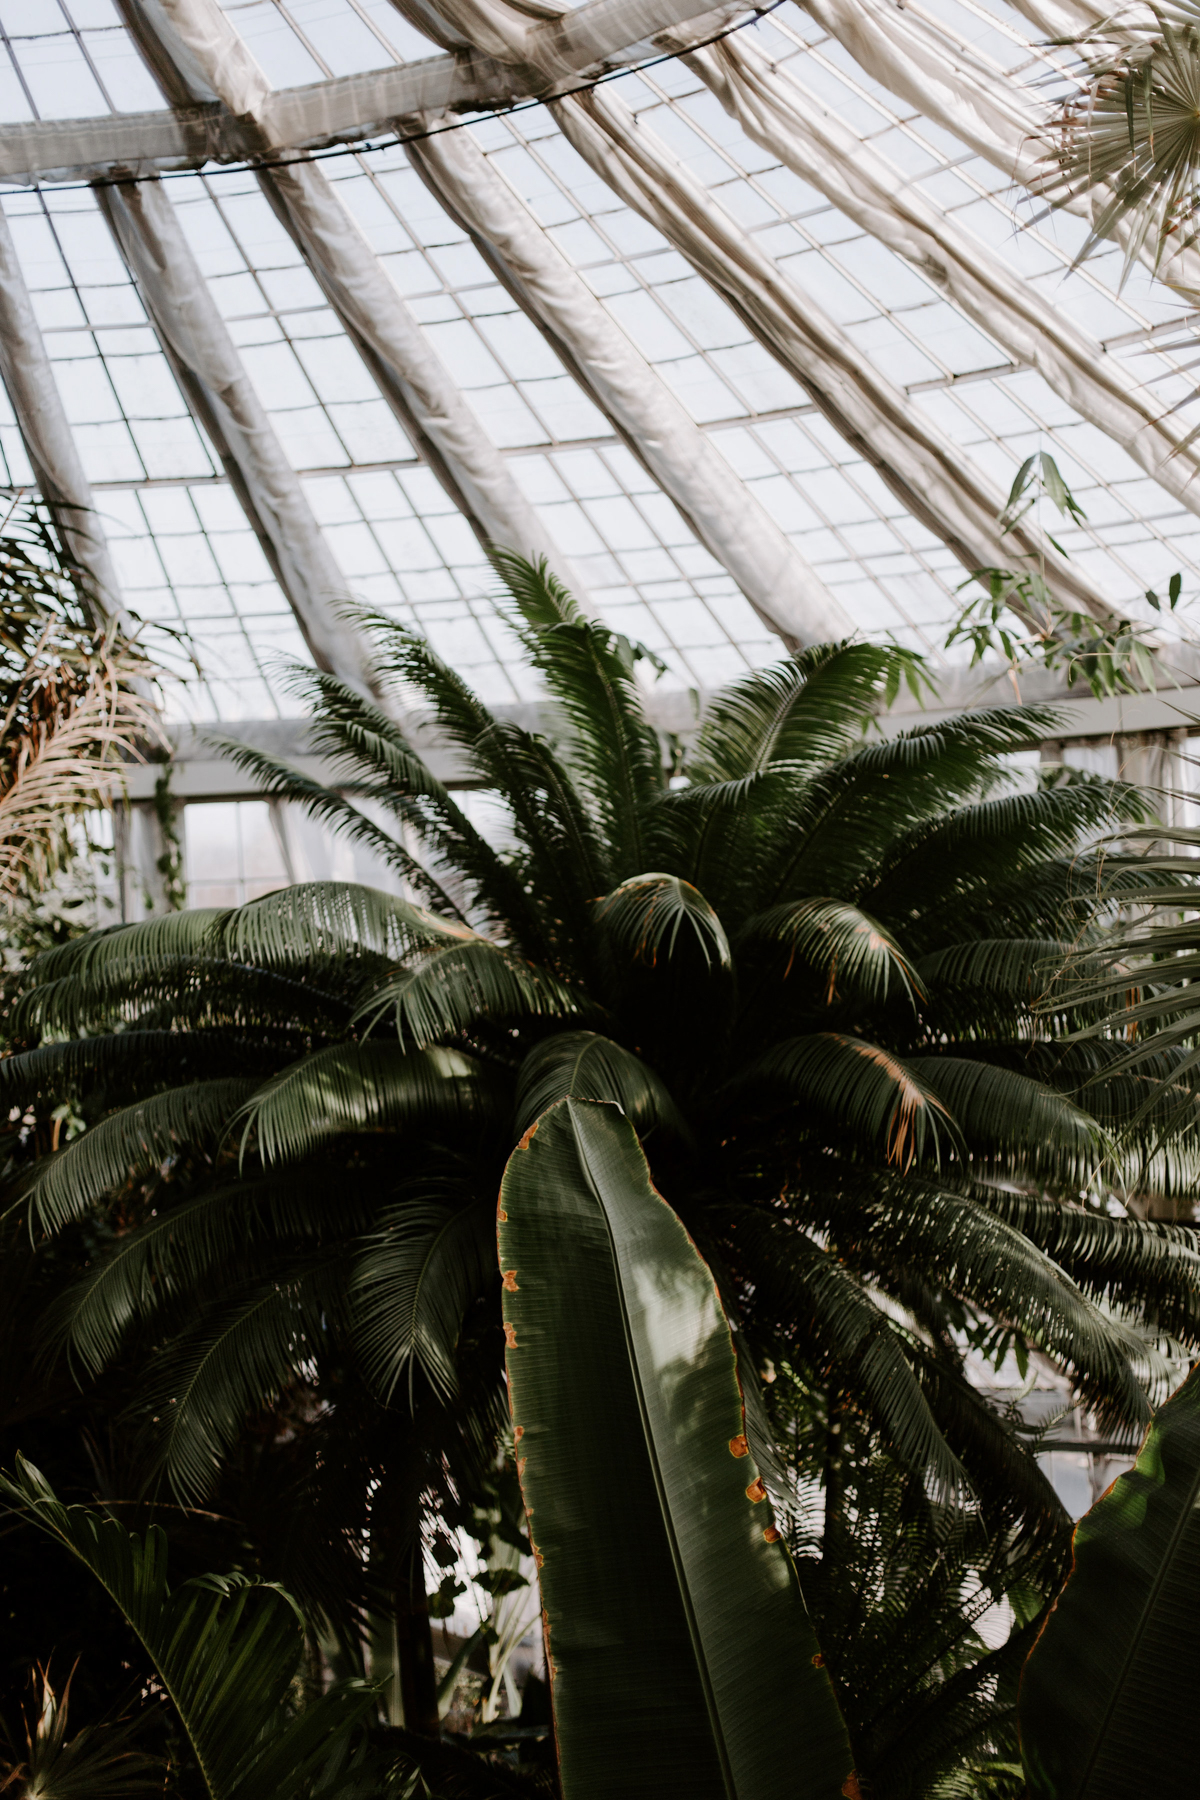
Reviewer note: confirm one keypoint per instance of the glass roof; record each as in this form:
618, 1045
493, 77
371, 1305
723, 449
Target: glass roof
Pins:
184, 550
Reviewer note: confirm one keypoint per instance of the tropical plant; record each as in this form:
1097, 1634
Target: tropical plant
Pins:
1107, 1694
75, 702
807, 964
225, 1651
98, 1763
681, 1656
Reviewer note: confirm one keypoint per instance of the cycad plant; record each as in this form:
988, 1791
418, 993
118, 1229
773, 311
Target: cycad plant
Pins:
808, 966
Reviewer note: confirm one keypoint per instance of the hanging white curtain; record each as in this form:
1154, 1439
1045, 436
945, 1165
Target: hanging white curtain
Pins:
927, 472
197, 340
788, 122
722, 512
28, 377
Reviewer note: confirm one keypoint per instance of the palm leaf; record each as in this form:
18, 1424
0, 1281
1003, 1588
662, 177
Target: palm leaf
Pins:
231, 1365
857, 1086
129, 1143
646, 914
1010, 1116
448, 990
364, 1087
414, 1283
803, 713
825, 1311
588, 670
584, 1066
279, 780
643, 1496
225, 1651
152, 1267
856, 955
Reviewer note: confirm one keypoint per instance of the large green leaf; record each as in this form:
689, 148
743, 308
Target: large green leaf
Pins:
1108, 1698
225, 1651
682, 1658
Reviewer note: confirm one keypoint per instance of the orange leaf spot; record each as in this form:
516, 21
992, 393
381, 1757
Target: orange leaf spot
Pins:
756, 1491
521, 1461
518, 1434
524, 1143
510, 1337
850, 1787
501, 1215
818, 1661
772, 1536
510, 1280
738, 1446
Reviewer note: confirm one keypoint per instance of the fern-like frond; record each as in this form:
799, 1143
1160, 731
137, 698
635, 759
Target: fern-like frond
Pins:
445, 991
585, 1066
804, 712
855, 1086
119, 1059
228, 1366
128, 1144
645, 916
806, 1292
149, 1269
225, 1649
588, 669
413, 1284
1010, 1116
373, 1086
852, 953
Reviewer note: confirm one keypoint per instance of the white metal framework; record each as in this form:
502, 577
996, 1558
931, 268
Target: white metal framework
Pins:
748, 340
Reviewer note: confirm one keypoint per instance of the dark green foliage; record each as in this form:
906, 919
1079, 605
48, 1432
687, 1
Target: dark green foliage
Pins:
1107, 1702
819, 974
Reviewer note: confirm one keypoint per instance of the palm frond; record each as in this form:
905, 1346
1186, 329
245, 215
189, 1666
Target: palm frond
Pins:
960, 1246
129, 1143
859, 1087
414, 1282
279, 780
448, 990
118, 1059
549, 817
824, 1309
852, 952
1126, 1261
1019, 971
804, 712
373, 1086
585, 1066
229, 1366
225, 1650
646, 915
150, 1268
1007, 1115
1129, 139
588, 670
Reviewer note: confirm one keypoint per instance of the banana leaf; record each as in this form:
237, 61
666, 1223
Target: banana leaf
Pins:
1108, 1706
682, 1660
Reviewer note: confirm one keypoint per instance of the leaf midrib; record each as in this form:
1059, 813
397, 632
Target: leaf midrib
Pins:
685, 1596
